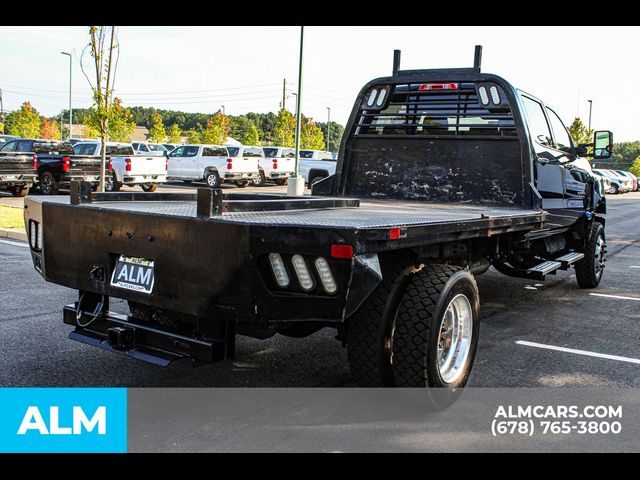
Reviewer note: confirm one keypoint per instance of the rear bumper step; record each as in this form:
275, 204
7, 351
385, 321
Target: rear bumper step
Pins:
117, 333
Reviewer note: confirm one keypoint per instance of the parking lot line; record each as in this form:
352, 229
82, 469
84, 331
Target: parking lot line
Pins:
579, 352
15, 244
619, 297
634, 266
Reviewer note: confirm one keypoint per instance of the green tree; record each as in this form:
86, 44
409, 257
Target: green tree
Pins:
311, 136
580, 133
284, 129
635, 167
24, 122
49, 128
251, 136
157, 132
1, 127
217, 129
121, 124
175, 133
193, 136
335, 134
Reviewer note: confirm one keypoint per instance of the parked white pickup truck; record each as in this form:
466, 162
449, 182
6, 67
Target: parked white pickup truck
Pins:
214, 164
152, 149
125, 167
278, 164
316, 165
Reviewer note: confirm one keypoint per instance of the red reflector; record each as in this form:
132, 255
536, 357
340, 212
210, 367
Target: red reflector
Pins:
341, 251
437, 86
394, 233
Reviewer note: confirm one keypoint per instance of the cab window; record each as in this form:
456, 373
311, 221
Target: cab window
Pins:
560, 134
538, 126
9, 147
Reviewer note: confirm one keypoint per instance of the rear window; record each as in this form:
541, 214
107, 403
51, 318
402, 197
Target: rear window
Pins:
415, 109
120, 150
64, 148
233, 151
270, 152
306, 153
288, 153
253, 152
157, 148
214, 152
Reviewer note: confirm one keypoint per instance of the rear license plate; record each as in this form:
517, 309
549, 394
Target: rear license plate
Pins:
132, 273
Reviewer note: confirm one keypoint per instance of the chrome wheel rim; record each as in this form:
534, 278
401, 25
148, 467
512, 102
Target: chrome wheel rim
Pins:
45, 184
598, 264
454, 338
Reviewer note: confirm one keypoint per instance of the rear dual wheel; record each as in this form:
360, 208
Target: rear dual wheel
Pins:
417, 329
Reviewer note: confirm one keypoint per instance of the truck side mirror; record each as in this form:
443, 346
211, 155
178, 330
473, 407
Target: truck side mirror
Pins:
602, 144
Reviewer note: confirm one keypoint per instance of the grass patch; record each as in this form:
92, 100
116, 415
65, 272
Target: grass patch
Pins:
11, 218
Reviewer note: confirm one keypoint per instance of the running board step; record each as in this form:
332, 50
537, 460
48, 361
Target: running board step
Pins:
545, 268
569, 259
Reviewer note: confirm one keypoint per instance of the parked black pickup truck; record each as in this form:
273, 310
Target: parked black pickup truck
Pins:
441, 175
55, 162
17, 168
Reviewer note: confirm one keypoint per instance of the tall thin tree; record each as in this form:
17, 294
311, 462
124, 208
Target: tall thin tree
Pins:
105, 64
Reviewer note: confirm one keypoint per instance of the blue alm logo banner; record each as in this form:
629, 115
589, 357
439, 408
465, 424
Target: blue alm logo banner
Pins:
56, 420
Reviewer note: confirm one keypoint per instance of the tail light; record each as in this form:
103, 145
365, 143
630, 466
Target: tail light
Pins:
433, 87
229, 163
275, 163
66, 164
166, 164
110, 167
35, 161
128, 166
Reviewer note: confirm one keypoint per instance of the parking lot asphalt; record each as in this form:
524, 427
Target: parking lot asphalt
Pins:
532, 334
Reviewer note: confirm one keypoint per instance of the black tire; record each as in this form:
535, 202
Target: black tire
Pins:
212, 179
242, 183
111, 184
589, 270
368, 330
187, 181
315, 180
149, 187
417, 329
19, 191
48, 184
260, 181
280, 181
615, 189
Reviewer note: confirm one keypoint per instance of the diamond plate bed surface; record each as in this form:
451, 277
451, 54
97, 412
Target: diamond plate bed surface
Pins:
370, 214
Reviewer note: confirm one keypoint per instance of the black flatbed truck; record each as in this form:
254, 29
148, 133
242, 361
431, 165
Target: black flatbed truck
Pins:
438, 178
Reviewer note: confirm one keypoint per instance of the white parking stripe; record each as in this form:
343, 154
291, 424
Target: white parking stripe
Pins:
15, 244
619, 297
634, 266
579, 352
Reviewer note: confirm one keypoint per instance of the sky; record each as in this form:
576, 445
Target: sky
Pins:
199, 69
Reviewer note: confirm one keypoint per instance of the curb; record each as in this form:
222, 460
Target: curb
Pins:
13, 235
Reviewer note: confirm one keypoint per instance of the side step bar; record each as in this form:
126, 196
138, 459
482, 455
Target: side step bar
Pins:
540, 271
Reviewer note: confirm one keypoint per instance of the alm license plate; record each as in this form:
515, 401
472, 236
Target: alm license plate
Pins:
132, 273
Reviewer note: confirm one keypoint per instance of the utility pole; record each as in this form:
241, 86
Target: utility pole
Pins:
222, 109
590, 105
284, 92
70, 76
328, 128
295, 185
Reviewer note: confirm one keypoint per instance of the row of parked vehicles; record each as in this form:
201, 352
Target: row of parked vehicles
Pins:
617, 181
53, 164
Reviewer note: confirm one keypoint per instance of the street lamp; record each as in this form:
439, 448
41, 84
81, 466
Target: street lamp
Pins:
328, 128
590, 105
70, 72
222, 109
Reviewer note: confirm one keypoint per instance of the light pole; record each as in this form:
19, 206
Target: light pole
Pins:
222, 109
328, 128
295, 185
590, 105
70, 76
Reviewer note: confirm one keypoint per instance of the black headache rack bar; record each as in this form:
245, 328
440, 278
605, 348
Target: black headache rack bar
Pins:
212, 202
